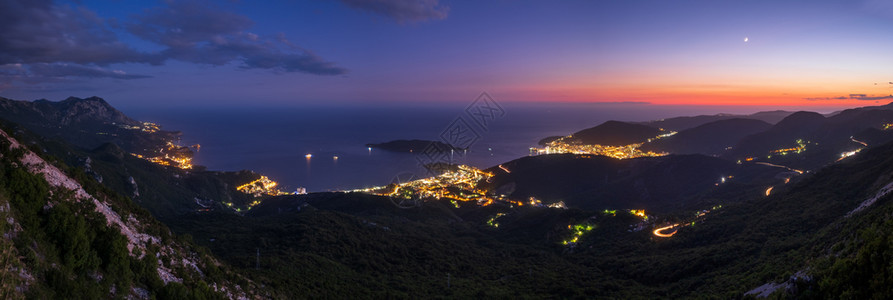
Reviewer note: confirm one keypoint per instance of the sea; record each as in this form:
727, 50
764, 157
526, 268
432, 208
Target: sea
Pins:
276, 141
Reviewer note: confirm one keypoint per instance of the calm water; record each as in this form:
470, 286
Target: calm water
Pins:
274, 142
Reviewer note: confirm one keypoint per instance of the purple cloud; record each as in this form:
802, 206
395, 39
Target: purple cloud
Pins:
862, 97
403, 11
41, 32
40, 73
71, 70
193, 32
43, 41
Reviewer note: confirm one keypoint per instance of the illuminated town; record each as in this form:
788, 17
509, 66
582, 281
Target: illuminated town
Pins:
147, 127
569, 144
180, 157
167, 155
458, 184
171, 155
260, 187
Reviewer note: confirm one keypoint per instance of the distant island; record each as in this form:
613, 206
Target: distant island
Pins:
410, 145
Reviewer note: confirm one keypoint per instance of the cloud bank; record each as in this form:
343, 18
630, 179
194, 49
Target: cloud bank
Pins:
862, 97
43, 41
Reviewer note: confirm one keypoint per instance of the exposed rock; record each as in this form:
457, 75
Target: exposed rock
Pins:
868, 202
136, 189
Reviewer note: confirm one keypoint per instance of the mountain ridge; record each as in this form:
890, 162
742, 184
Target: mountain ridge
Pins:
616, 133
72, 111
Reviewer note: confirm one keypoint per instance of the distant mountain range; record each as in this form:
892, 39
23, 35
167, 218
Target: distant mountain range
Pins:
683, 123
756, 136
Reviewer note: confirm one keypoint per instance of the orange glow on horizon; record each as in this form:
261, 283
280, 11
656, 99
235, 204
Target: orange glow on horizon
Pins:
695, 97
674, 87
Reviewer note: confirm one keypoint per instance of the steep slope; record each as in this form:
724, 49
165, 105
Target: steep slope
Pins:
84, 240
711, 139
819, 225
616, 133
807, 239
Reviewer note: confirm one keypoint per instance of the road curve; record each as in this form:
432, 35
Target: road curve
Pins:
660, 231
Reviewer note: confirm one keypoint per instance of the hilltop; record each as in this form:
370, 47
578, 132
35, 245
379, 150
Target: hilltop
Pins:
616, 133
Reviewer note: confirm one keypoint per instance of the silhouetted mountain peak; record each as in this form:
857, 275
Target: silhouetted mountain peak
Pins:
93, 109
70, 111
800, 119
616, 133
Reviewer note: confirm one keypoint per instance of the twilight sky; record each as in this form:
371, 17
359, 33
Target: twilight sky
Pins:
145, 53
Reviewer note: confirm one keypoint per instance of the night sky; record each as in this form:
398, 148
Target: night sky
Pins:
170, 53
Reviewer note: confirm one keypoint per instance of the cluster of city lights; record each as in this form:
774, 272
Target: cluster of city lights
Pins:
171, 155
259, 187
569, 144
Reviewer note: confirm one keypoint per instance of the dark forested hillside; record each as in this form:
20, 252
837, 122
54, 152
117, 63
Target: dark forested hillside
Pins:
67, 236
94, 222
